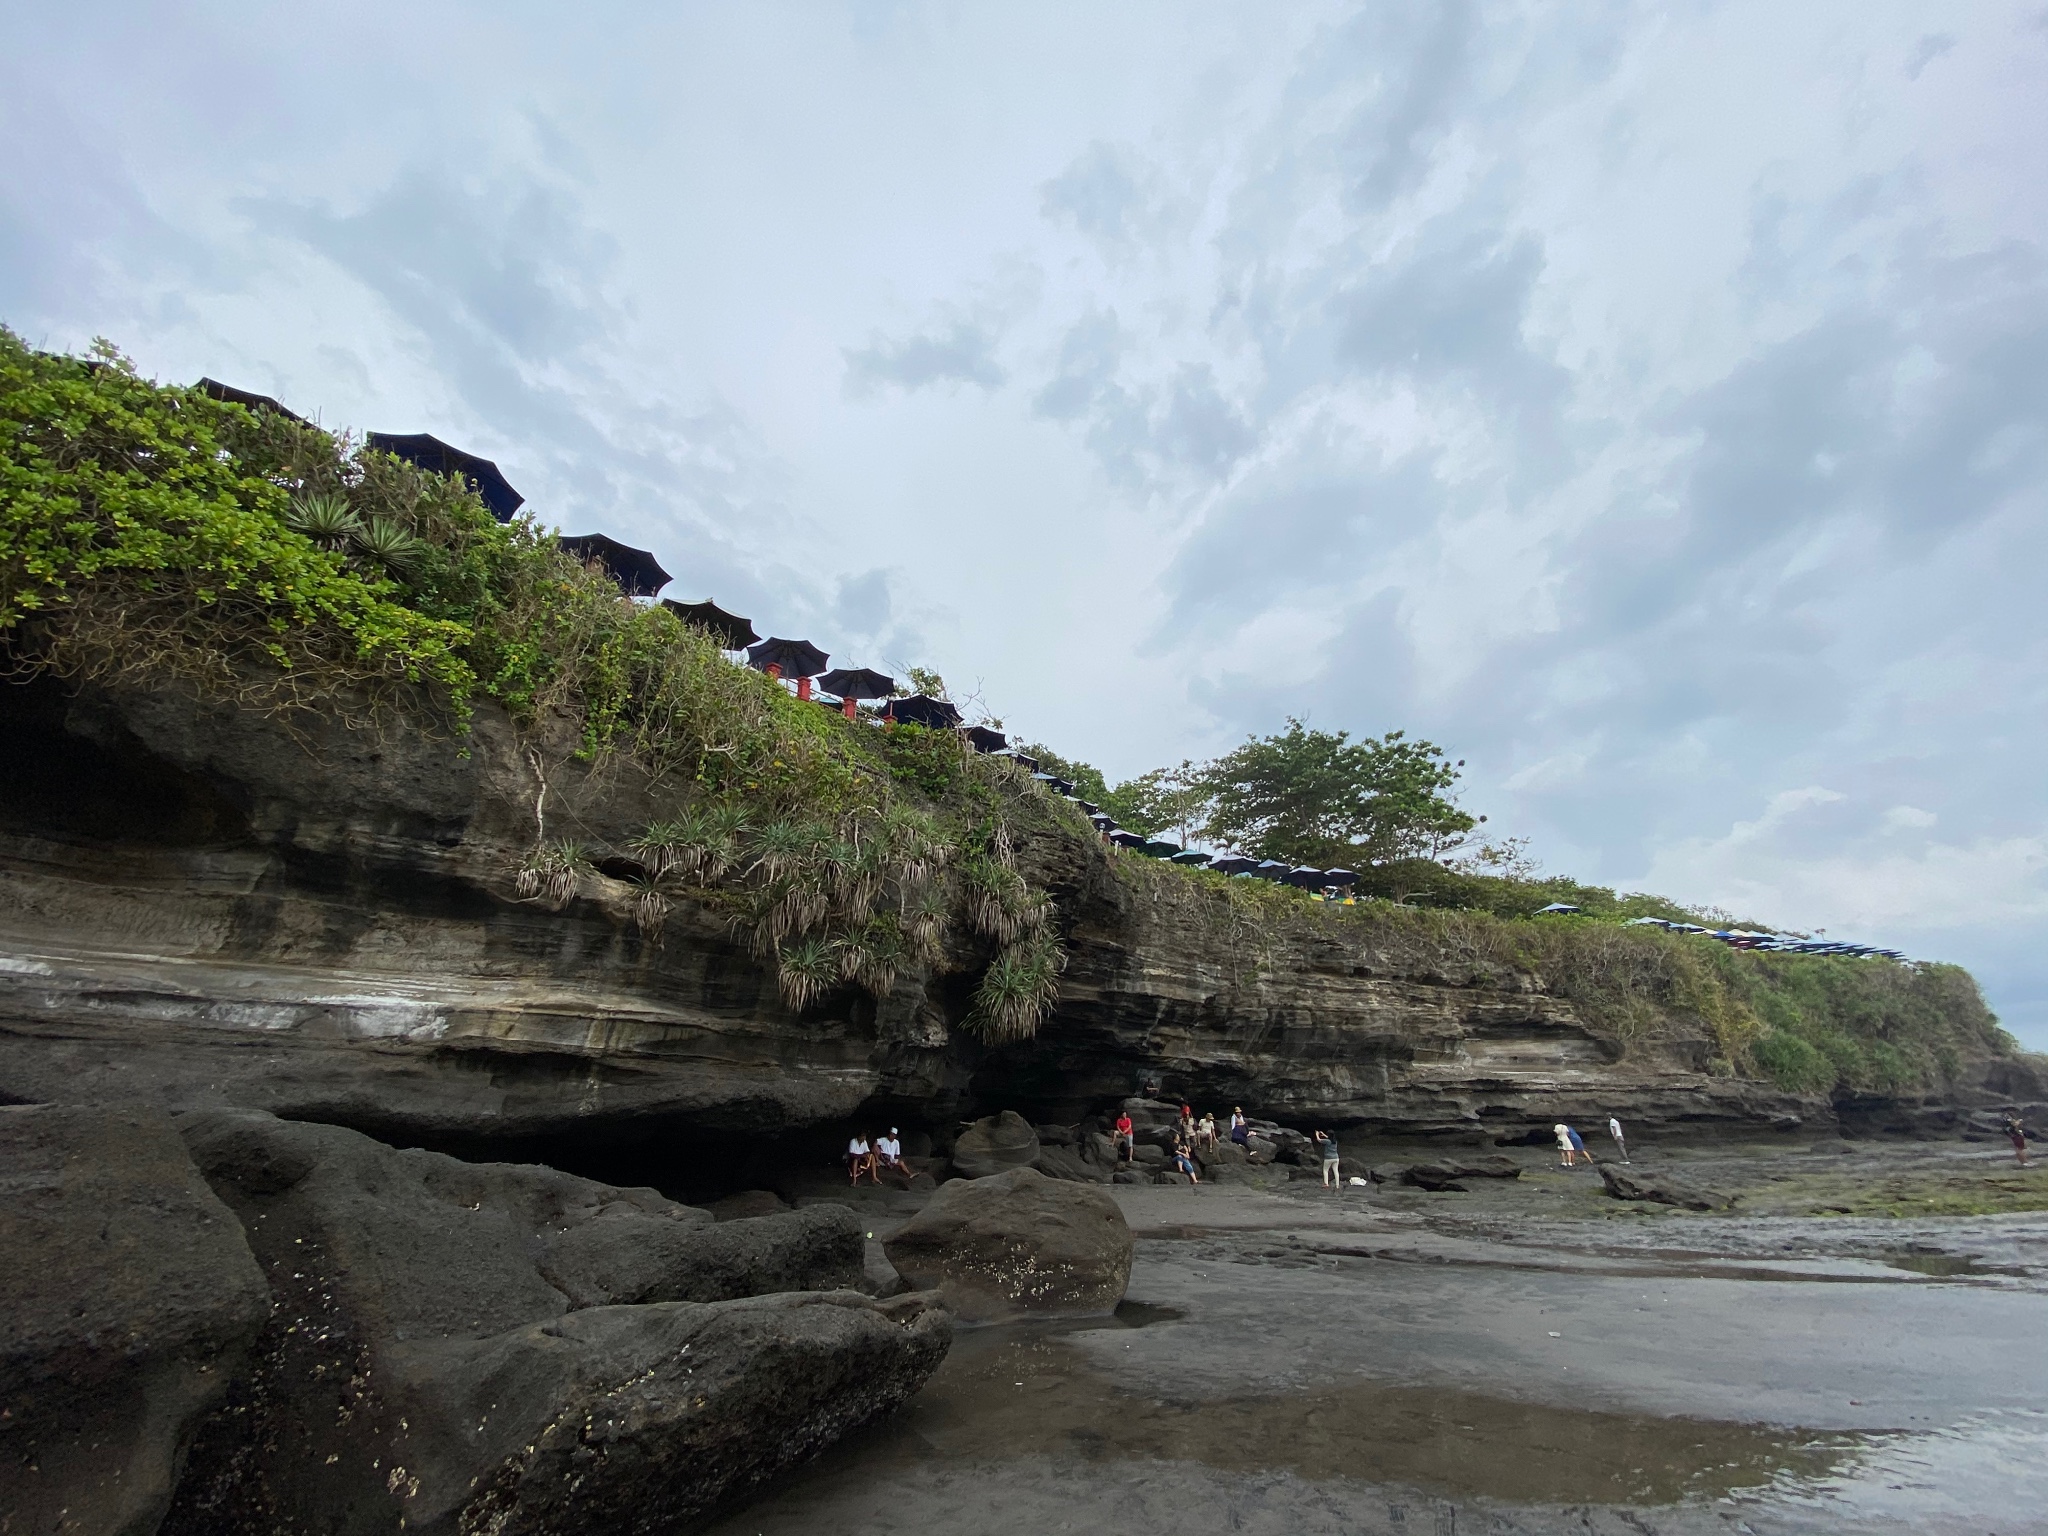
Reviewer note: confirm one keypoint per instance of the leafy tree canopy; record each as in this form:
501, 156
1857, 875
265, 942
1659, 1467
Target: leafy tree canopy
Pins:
1318, 797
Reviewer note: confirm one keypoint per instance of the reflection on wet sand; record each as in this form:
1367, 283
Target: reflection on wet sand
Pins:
1027, 1392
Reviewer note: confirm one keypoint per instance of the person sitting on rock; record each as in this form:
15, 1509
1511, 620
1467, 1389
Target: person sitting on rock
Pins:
1205, 1131
1187, 1122
1332, 1165
1240, 1132
1126, 1138
860, 1159
889, 1151
1181, 1161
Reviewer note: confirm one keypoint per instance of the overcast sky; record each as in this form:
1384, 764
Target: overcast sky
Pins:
1649, 404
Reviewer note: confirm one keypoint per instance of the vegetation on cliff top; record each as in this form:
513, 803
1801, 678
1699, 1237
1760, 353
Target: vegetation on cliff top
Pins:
152, 535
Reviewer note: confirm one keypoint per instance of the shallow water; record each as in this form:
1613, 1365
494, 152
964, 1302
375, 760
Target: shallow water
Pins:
1294, 1368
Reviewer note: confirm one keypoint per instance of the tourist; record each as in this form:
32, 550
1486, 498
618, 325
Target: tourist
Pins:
1182, 1162
889, 1149
1332, 1168
2016, 1133
1578, 1143
1205, 1133
1126, 1139
1614, 1130
1187, 1122
1563, 1133
1240, 1132
860, 1158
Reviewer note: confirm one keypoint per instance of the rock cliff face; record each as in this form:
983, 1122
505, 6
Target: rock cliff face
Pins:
203, 907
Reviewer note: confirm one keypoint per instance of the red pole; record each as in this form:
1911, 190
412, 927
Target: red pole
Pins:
849, 709
773, 669
803, 687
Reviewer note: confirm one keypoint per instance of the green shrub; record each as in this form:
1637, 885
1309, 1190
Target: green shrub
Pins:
152, 535
1792, 1063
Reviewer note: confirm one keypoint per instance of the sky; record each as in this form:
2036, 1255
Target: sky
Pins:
1649, 404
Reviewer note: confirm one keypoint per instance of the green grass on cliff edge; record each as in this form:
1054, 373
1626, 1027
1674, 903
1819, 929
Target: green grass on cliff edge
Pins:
150, 535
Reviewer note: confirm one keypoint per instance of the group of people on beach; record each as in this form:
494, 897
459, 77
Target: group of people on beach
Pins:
1190, 1135
870, 1158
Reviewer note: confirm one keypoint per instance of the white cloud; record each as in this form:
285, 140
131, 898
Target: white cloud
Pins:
1650, 405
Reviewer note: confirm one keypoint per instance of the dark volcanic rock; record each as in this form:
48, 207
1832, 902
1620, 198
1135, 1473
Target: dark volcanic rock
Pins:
1017, 1244
609, 1261
1066, 1163
1661, 1189
449, 1351
1444, 1173
127, 1299
748, 1202
996, 1145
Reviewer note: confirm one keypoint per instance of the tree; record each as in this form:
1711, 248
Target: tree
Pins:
1317, 797
1176, 798
923, 681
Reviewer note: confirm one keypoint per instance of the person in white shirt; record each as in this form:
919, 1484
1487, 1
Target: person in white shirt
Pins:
860, 1159
890, 1152
1614, 1130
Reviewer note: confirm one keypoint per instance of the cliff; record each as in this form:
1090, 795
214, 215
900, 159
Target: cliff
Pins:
206, 905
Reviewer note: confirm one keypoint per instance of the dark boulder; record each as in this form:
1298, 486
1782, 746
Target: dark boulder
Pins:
128, 1297
1067, 1163
1017, 1244
748, 1202
1445, 1174
635, 1259
467, 1347
995, 1145
1661, 1190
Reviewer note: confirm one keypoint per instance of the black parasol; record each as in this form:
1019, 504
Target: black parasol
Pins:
982, 739
1125, 839
1190, 857
1160, 848
243, 397
728, 629
636, 571
1233, 864
1270, 869
437, 458
920, 709
1306, 878
857, 683
1339, 877
787, 658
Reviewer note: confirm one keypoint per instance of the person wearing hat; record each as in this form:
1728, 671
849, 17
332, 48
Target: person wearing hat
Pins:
890, 1149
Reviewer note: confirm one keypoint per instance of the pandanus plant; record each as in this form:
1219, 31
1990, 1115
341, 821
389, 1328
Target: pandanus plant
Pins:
325, 518
391, 546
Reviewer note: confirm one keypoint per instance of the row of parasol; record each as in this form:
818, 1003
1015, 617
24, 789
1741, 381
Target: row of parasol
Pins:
639, 574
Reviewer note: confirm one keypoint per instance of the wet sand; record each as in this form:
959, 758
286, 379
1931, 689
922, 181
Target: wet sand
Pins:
1529, 1357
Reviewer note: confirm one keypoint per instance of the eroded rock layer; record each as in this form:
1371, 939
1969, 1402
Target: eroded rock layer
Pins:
206, 907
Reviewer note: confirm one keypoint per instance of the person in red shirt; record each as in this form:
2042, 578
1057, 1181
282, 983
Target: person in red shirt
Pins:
1126, 1139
